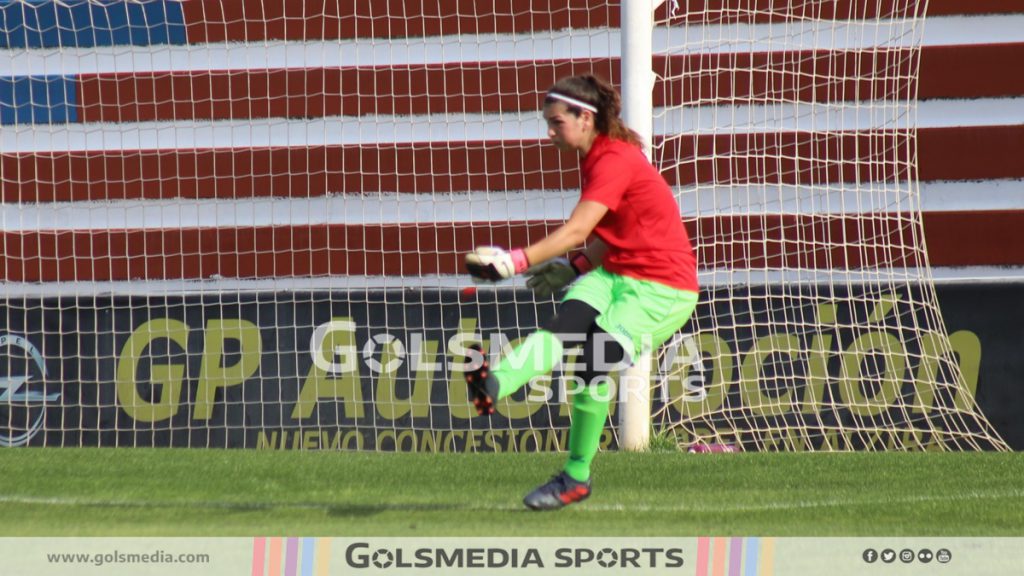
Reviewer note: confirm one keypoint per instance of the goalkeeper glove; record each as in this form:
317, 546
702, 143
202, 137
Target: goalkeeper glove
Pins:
551, 276
491, 263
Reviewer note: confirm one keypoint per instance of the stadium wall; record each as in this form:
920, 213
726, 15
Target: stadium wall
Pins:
971, 134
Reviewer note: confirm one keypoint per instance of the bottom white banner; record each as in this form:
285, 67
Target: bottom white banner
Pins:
711, 556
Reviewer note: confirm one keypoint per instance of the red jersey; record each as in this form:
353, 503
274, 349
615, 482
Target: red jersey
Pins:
643, 227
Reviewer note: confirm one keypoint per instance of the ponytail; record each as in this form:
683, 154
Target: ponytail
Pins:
597, 94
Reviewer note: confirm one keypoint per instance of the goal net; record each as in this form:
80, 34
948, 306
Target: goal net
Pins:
788, 128
241, 224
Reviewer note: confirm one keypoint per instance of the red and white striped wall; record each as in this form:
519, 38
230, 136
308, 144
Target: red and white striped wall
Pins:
315, 148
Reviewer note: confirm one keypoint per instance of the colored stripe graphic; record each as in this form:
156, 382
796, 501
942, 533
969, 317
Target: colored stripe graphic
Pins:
258, 556
735, 556
768, 557
750, 564
703, 545
274, 560
303, 556
90, 23
308, 556
323, 556
719, 548
291, 556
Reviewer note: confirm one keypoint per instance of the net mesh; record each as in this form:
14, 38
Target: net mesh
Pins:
241, 223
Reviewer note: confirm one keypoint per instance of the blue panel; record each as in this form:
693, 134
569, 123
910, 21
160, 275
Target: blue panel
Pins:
38, 100
85, 23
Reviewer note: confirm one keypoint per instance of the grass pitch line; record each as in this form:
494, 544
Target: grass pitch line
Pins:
455, 506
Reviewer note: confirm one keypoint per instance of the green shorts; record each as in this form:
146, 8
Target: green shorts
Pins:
640, 314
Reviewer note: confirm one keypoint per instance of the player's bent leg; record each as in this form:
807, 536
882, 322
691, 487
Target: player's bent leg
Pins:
589, 415
573, 484
601, 353
542, 350
482, 384
536, 356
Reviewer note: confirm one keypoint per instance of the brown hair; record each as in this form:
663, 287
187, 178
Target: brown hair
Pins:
598, 93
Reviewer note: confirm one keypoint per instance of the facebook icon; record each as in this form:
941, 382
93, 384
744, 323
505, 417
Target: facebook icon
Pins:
870, 555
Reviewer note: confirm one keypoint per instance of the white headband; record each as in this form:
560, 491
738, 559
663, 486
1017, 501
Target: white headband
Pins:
573, 101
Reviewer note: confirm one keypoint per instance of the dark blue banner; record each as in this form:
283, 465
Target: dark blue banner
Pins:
782, 368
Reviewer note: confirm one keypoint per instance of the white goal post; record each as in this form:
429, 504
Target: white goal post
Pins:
637, 105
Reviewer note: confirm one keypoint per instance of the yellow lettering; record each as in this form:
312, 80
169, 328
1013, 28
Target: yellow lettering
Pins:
458, 399
752, 370
935, 349
888, 383
167, 377
406, 441
418, 403
212, 375
264, 442
311, 439
700, 396
342, 387
817, 361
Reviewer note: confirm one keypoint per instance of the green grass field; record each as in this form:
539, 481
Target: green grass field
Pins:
162, 492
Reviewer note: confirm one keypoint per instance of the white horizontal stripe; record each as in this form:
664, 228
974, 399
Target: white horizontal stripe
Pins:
357, 209
583, 43
532, 205
340, 130
708, 280
717, 119
853, 198
258, 133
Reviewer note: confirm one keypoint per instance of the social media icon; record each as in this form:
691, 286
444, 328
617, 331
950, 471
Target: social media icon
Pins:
906, 555
925, 555
888, 556
943, 555
870, 556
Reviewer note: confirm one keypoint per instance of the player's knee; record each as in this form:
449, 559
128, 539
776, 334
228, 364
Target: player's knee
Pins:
572, 323
602, 355
606, 353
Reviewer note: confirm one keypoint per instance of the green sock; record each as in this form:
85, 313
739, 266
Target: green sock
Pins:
589, 412
536, 356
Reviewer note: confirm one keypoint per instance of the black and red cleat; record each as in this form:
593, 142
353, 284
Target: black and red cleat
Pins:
483, 386
560, 491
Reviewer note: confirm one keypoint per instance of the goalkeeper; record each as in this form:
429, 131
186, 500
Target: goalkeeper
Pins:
632, 287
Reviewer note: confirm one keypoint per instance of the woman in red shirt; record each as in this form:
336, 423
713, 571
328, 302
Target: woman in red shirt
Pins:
632, 287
